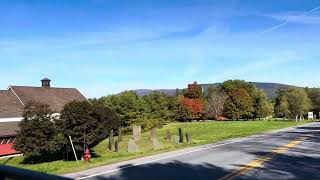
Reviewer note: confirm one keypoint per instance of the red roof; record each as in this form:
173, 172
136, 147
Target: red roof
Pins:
7, 149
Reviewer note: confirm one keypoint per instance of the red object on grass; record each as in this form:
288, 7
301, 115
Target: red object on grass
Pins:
87, 155
7, 149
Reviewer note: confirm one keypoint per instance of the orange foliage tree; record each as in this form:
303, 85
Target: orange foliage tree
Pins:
193, 107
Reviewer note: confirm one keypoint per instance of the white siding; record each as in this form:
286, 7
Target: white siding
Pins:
10, 119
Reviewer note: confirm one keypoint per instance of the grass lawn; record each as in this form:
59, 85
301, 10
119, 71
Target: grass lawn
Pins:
201, 132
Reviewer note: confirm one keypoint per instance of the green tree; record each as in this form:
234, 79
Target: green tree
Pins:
262, 106
148, 111
229, 86
314, 96
281, 108
299, 102
37, 134
87, 123
161, 107
131, 108
239, 104
240, 98
292, 102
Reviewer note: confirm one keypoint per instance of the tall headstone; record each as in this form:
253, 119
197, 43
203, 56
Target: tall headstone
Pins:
188, 137
180, 135
153, 133
156, 143
111, 141
176, 139
310, 116
116, 146
120, 134
132, 146
168, 135
136, 130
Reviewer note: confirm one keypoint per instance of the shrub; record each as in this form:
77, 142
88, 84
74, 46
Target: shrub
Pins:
38, 133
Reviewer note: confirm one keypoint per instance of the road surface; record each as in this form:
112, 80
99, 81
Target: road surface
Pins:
293, 153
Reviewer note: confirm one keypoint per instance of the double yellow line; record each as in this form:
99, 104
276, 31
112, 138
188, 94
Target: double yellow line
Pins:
258, 163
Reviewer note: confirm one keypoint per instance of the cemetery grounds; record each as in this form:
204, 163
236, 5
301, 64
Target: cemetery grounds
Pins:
201, 133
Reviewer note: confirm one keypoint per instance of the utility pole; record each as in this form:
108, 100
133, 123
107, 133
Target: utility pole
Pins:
74, 151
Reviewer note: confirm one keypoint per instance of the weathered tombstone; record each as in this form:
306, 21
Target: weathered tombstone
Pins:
116, 146
176, 139
180, 135
120, 134
132, 146
310, 116
156, 143
168, 135
136, 130
153, 133
188, 137
111, 141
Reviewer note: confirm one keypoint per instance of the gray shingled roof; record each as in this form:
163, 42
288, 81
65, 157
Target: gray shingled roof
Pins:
10, 106
9, 129
55, 97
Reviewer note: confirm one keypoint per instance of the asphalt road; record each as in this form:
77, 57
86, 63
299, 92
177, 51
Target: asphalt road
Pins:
290, 154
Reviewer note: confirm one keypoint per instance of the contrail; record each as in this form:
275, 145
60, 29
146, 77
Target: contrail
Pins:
287, 21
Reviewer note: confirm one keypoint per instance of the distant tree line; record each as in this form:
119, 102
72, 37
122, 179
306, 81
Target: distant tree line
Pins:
233, 99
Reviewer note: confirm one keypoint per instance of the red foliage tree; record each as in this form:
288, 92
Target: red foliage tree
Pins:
194, 107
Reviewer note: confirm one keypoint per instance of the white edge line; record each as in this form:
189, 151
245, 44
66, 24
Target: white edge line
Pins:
167, 157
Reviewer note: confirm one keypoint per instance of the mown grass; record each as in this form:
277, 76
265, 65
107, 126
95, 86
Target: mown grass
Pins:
201, 132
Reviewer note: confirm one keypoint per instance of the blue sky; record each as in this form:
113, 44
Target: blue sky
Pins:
107, 46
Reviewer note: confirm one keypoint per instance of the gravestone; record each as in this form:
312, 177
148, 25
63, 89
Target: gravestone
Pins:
111, 141
120, 134
156, 143
180, 135
188, 137
136, 130
168, 135
116, 146
132, 146
153, 133
176, 139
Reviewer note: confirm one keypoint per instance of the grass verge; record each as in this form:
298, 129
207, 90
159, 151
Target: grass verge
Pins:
201, 132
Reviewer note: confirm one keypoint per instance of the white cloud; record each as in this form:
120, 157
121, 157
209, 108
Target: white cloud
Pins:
303, 18
294, 18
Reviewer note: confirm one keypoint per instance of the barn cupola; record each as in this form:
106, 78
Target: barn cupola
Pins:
46, 82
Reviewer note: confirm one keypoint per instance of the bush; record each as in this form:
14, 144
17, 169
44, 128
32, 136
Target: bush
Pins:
38, 132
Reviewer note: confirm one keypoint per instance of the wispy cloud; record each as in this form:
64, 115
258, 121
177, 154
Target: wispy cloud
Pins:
301, 18
294, 18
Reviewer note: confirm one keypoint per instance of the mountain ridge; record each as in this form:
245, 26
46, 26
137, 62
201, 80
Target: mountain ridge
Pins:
270, 88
